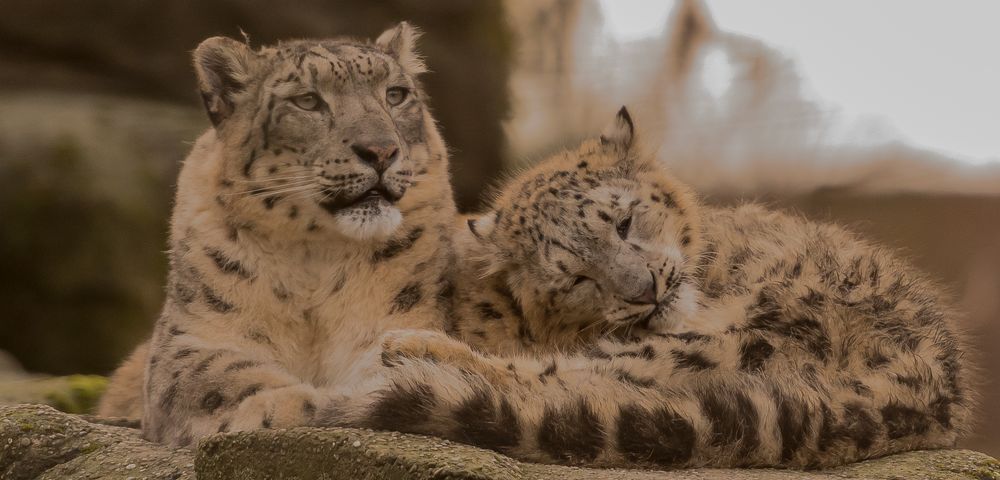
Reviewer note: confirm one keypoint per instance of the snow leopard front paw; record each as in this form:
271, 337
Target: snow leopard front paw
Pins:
401, 345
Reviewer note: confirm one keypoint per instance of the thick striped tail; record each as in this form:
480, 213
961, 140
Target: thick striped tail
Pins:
735, 400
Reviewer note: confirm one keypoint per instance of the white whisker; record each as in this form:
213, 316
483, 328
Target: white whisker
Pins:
269, 188
593, 325
326, 196
272, 179
262, 191
285, 191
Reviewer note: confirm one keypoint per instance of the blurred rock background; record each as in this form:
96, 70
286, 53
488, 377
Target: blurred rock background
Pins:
98, 108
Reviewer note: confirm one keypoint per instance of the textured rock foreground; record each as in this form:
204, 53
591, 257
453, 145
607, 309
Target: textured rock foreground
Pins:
39, 442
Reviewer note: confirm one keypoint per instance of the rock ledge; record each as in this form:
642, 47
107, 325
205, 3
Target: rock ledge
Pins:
37, 441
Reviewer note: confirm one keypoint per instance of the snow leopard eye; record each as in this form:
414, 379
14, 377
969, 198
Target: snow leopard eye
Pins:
624, 226
308, 101
396, 95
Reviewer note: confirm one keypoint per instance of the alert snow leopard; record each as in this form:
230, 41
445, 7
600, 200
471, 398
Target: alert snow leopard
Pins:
311, 218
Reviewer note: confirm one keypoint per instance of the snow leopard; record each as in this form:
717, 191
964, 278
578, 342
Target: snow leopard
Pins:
310, 219
605, 318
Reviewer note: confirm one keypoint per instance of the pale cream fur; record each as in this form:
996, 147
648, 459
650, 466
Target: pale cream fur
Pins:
278, 295
818, 349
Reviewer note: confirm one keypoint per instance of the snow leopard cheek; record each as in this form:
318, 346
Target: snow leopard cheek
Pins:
296, 129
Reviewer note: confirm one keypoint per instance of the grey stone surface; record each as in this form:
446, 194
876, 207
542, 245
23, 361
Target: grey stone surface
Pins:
39, 442
348, 453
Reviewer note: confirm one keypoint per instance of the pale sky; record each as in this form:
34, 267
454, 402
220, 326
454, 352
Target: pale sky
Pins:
928, 69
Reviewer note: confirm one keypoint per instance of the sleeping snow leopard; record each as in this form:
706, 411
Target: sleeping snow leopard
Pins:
817, 348
311, 219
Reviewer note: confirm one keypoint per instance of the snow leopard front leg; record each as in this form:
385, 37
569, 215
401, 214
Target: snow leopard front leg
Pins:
196, 387
398, 346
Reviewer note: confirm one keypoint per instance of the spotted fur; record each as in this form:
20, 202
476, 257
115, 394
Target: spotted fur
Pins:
296, 238
768, 340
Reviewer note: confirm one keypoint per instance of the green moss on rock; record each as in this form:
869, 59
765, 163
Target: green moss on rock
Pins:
71, 394
80, 393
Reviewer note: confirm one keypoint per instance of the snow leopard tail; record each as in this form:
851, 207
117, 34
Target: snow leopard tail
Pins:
781, 391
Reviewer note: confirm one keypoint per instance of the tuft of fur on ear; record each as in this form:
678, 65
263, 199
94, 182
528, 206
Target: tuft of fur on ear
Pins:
620, 132
487, 256
223, 68
400, 42
482, 227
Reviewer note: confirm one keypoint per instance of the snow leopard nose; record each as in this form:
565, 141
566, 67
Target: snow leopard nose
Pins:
379, 155
647, 297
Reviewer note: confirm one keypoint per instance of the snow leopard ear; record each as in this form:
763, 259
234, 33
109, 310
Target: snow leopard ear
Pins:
400, 42
620, 133
483, 225
223, 67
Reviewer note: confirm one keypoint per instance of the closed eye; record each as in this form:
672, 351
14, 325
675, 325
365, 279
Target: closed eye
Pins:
580, 279
624, 226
